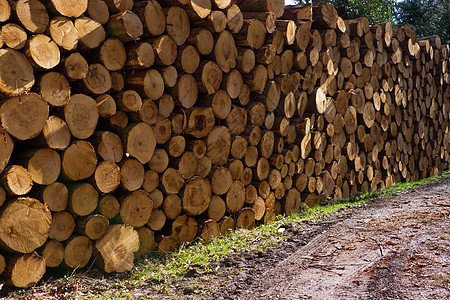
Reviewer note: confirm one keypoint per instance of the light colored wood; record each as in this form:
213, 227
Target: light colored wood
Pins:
55, 196
63, 225
136, 208
15, 81
13, 36
16, 180
53, 253
184, 229
23, 271
81, 115
6, 149
117, 247
196, 196
146, 242
90, 32
32, 230
79, 161
139, 141
126, 26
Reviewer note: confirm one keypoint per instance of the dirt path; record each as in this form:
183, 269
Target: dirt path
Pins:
394, 248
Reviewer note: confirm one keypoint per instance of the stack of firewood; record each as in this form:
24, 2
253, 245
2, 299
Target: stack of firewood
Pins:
134, 126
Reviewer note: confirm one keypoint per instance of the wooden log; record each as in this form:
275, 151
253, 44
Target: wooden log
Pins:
152, 15
31, 232
93, 226
157, 220
90, 32
23, 271
79, 161
5, 11
209, 230
81, 115
276, 7
178, 27
146, 242
75, 66
53, 253
63, 225
63, 32
16, 180
246, 218
13, 36
108, 206
55, 196
98, 11
15, 80
117, 247
139, 141
6, 149
184, 229
24, 118
202, 39
136, 208
126, 26
225, 51
196, 196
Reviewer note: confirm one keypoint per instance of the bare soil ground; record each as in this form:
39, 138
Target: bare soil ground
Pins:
390, 248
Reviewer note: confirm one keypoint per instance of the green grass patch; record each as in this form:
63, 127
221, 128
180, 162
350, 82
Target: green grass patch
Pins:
198, 256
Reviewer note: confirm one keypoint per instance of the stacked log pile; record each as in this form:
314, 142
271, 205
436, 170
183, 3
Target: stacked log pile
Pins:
130, 125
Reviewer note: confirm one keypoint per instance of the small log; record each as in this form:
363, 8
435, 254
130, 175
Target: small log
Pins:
196, 196
55, 196
126, 26
63, 225
107, 177
184, 229
83, 199
81, 115
16, 180
152, 15
108, 206
98, 11
63, 32
246, 218
53, 253
90, 33
77, 252
13, 36
136, 208
24, 117
16, 72
146, 242
157, 220
139, 141
209, 230
93, 226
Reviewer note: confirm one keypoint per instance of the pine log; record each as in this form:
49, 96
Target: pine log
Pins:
53, 253
126, 26
246, 218
98, 11
146, 242
139, 141
23, 271
90, 32
177, 24
131, 174
55, 196
108, 206
77, 252
79, 161
136, 208
75, 66
16, 180
13, 36
276, 7
63, 32
152, 15
16, 73
6, 149
184, 229
32, 230
196, 196
93, 226
62, 227
225, 51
